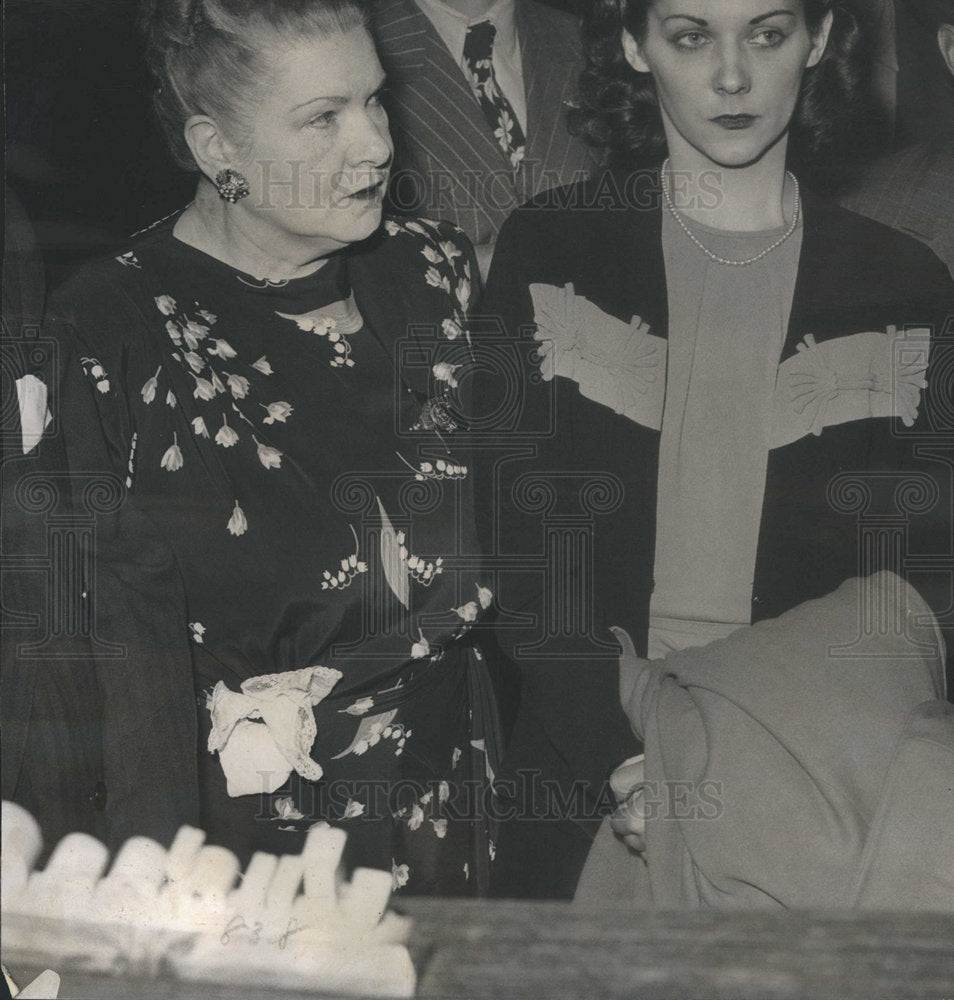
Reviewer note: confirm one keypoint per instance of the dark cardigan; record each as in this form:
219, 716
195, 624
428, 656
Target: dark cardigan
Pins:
837, 505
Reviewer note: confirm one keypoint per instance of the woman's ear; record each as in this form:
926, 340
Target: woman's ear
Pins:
211, 149
945, 39
634, 56
820, 40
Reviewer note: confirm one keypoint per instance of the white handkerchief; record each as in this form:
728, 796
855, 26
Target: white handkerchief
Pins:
265, 732
35, 415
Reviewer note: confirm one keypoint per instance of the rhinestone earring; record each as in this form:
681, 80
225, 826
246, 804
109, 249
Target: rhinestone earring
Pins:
231, 185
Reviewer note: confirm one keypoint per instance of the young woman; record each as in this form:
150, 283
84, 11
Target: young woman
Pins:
284, 582
746, 361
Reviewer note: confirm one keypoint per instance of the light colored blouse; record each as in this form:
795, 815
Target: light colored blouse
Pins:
726, 330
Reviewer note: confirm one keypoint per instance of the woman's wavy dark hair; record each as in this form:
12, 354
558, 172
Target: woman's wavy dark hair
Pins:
208, 56
618, 110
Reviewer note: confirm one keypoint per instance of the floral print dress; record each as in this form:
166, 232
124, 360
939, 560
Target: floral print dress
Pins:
289, 453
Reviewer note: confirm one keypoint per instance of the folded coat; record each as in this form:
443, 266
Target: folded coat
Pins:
806, 761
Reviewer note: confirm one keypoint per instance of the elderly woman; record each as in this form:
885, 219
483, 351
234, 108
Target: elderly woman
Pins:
743, 362
284, 586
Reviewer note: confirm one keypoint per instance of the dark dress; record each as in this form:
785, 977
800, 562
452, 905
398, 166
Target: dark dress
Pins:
285, 491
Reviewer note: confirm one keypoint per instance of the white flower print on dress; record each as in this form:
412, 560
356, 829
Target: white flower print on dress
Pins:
449, 250
96, 372
443, 789
334, 322
166, 304
238, 385
420, 649
226, 436
193, 332
431, 255
467, 612
148, 390
210, 318
451, 329
270, 457
399, 564
392, 561
443, 371
171, 399
204, 389
172, 459
440, 828
361, 707
128, 259
263, 366
198, 425
436, 280
350, 568
484, 595
196, 363
238, 524
353, 810
437, 470
131, 464
172, 328
285, 807
222, 349
416, 818
280, 411
198, 631
369, 733
399, 875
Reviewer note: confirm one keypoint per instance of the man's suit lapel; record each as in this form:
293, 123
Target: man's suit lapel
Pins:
435, 105
549, 83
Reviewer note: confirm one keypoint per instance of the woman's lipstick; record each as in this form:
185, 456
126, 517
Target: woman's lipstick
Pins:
734, 121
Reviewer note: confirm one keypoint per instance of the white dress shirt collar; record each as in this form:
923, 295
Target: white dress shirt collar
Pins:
452, 26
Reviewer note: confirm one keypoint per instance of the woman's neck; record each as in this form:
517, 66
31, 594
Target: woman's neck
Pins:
753, 198
216, 228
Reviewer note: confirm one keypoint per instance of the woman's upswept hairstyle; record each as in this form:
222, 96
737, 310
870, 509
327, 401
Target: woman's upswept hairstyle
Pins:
208, 56
618, 110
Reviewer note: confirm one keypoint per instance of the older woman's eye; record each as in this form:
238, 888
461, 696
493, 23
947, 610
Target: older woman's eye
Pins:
324, 120
691, 40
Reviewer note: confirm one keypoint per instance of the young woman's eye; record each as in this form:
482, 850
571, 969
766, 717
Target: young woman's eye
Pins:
325, 120
691, 40
768, 38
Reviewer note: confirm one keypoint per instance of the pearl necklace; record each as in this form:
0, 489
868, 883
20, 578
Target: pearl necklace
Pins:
712, 256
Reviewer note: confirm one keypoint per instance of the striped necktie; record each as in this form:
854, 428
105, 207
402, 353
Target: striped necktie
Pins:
478, 57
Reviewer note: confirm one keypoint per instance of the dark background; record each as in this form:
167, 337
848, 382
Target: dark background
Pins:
85, 158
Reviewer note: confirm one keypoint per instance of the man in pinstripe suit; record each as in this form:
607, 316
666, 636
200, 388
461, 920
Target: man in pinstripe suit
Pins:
913, 190
449, 164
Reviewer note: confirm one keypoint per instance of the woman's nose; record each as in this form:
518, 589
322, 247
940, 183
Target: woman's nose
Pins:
731, 72
372, 140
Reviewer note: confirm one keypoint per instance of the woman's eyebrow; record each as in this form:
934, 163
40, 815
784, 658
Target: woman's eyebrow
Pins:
703, 23
772, 13
314, 100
